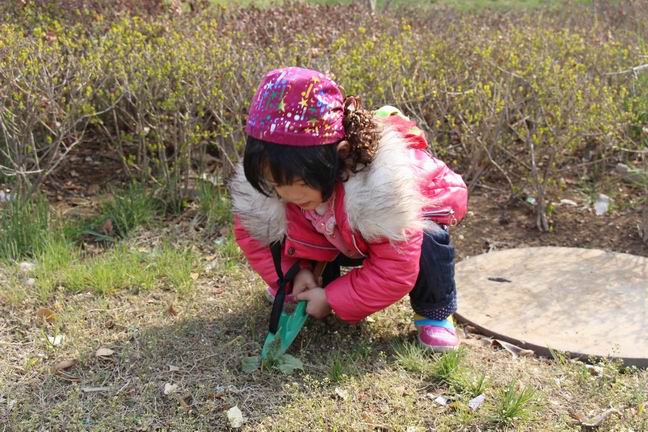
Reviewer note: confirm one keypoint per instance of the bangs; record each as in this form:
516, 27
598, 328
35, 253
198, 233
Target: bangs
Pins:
316, 166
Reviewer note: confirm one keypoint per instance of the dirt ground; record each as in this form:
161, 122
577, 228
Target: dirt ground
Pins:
496, 223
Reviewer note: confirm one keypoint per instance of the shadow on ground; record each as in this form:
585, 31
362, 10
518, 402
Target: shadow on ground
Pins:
194, 350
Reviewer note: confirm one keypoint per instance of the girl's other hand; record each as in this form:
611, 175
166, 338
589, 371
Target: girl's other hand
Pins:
304, 280
317, 306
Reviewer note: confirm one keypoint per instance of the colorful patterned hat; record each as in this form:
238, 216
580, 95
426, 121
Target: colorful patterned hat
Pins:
298, 107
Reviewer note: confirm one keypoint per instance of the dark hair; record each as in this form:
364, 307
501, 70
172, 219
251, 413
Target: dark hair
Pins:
318, 166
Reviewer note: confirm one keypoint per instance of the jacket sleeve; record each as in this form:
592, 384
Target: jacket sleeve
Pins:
260, 257
387, 275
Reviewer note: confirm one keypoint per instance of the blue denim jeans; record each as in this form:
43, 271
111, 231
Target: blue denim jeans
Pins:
434, 294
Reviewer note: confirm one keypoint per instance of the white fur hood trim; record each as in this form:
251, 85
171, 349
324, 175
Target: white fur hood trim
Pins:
382, 202
263, 217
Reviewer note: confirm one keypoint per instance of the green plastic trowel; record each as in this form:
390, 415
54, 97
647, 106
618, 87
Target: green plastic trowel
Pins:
288, 328
284, 327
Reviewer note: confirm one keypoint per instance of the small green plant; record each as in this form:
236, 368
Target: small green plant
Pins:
23, 226
513, 404
562, 358
447, 367
214, 206
176, 267
53, 259
229, 251
338, 368
413, 358
127, 210
473, 387
274, 360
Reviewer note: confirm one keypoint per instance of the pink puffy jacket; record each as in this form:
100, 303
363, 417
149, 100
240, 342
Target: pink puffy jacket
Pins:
380, 214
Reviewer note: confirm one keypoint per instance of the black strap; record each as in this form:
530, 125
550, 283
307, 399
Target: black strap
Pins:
282, 281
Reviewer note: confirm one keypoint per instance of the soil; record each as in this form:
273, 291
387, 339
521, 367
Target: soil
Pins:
493, 222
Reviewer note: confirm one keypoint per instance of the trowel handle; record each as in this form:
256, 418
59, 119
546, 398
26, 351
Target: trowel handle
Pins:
318, 270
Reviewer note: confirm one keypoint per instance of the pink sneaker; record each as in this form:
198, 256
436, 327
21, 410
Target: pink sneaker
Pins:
270, 296
437, 336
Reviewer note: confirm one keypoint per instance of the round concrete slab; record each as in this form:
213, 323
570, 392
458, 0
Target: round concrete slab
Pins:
586, 302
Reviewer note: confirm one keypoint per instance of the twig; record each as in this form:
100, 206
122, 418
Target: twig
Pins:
632, 70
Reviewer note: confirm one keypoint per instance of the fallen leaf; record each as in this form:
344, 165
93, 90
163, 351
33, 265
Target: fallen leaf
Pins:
341, 393
194, 276
185, 401
216, 395
61, 370
441, 400
107, 227
288, 364
47, 314
56, 340
104, 352
250, 364
596, 421
593, 422
513, 349
235, 417
171, 310
568, 202
65, 364
594, 370
170, 388
67, 377
476, 402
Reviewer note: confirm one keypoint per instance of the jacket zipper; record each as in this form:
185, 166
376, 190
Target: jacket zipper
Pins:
310, 244
441, 213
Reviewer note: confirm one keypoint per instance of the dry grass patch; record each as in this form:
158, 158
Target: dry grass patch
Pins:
175, 365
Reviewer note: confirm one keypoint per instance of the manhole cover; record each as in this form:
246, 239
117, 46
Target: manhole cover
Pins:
586, 302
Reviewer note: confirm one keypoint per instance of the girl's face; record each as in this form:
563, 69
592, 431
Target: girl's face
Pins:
298, 193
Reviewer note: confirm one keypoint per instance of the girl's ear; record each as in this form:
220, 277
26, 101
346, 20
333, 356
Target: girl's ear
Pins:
343, 149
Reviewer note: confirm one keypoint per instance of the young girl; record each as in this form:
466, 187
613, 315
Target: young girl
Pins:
348, 187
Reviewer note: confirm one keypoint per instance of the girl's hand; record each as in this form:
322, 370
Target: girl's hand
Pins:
304, 280
317, 306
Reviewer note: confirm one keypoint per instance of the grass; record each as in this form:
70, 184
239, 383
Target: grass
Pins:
22, 227
146, 300
361, 377
61, 264
229, 251
214, 206
128, 209
447, 367
514, 404
411, 357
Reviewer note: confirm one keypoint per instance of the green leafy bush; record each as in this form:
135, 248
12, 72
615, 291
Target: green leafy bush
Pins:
514, 96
